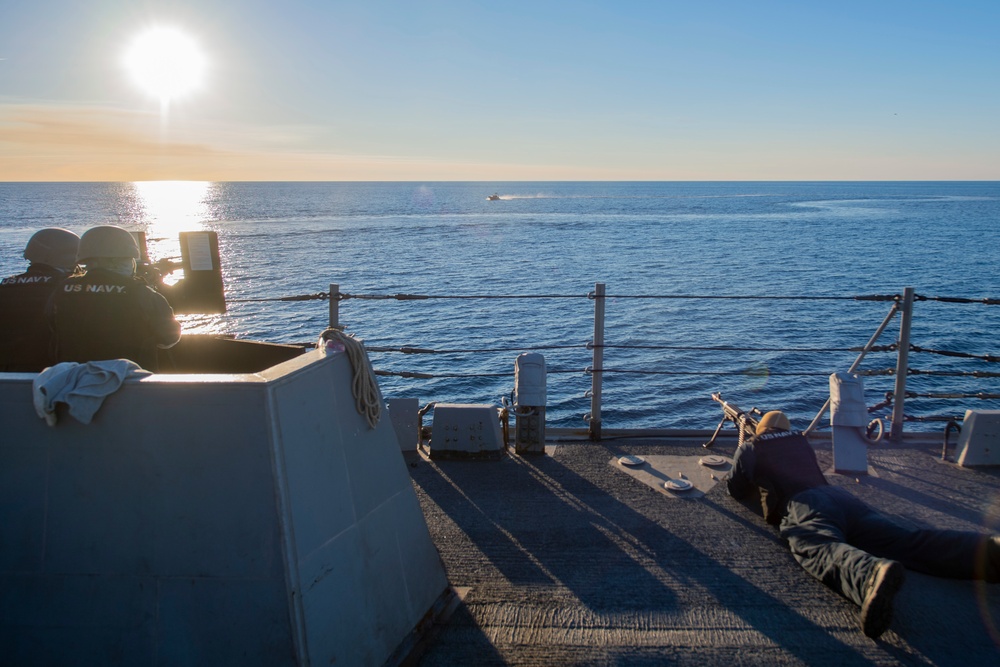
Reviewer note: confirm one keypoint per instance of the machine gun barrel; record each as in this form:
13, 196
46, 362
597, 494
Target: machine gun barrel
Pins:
745, 422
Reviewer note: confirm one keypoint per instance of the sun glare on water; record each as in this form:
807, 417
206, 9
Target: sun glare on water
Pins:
170, 207
166, 63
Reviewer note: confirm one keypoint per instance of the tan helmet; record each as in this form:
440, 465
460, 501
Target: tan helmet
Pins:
107, 241
775, 420
53, 246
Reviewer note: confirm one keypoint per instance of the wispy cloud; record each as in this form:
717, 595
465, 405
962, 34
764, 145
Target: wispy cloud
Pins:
51, 142
40, 142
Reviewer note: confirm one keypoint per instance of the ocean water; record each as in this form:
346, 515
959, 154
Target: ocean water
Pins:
672, 256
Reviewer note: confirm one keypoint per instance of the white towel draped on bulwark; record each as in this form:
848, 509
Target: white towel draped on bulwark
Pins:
82, 387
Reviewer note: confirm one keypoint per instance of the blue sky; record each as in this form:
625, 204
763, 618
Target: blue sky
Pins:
449, 90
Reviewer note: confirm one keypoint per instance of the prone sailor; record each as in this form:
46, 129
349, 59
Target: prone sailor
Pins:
838, 539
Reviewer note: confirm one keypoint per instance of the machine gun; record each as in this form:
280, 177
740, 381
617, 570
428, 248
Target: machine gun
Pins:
200, 290
745, 422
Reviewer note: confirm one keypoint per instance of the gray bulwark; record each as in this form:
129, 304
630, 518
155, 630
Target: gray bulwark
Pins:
248, 519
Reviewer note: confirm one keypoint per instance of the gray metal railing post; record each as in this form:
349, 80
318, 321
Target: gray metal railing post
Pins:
334, 305
597, 376
902, 364
857, 362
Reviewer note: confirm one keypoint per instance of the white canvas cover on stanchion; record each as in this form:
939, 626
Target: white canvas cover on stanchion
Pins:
848, 418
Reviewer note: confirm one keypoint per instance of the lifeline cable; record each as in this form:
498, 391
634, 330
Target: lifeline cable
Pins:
421, 350
590, 371
957, 299
364, 386
980, 395
591, 346
917, 371
319, 296
952, 353
343, 296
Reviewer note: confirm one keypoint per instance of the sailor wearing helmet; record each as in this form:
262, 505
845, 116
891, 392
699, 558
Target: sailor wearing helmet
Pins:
109, 313
840, 540
25, 337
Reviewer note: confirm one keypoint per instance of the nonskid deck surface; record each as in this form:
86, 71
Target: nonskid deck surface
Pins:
566, 560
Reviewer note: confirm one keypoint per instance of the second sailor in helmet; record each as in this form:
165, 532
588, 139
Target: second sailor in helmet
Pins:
109, 313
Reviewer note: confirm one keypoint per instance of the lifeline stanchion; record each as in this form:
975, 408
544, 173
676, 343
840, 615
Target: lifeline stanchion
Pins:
334, 306
902, 361
594, 427
857, 362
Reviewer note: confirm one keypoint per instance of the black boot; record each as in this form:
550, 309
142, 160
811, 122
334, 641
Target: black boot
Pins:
876, 611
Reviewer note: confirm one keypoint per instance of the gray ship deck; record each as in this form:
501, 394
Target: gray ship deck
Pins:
567, 560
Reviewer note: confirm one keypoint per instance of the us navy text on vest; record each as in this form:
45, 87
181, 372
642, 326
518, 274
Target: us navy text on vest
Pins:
776, 435
26, 280
111, 289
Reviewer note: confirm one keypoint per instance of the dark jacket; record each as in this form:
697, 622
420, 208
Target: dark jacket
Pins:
104, 315
25, 336
779, 465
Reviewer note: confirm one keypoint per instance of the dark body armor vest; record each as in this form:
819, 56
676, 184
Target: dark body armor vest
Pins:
103, 315
25, 336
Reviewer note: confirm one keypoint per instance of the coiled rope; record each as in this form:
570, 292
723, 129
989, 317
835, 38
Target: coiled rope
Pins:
364, 386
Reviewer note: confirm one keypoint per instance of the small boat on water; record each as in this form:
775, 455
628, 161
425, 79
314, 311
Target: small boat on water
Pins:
494, 197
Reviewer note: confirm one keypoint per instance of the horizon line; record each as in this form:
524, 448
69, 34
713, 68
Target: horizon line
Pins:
703, 180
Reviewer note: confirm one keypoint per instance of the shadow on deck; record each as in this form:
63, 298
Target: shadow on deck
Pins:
567, 560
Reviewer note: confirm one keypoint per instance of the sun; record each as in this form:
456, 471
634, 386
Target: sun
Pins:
165, 62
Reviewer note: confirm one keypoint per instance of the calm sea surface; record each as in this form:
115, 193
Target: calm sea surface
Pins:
641, 239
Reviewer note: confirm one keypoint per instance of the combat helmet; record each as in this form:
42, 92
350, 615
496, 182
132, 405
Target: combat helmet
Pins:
107, 241
53, 246
775, 420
